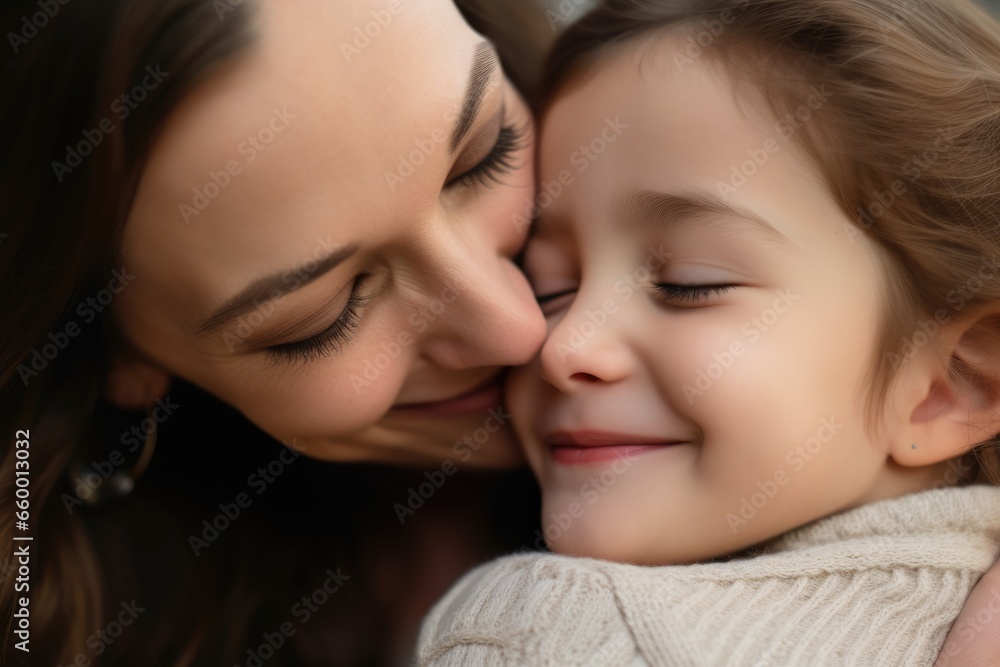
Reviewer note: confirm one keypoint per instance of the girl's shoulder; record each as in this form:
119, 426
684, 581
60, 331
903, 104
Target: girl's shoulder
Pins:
543, 577
529, 608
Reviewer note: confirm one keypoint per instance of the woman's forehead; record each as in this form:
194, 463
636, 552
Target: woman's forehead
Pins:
284, 147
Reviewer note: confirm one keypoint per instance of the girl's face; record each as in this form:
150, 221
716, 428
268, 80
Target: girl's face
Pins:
325, 232
711, 322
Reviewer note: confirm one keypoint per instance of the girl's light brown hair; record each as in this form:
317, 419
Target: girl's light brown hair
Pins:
907, 140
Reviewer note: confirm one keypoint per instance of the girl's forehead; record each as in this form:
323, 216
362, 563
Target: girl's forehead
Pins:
622, 157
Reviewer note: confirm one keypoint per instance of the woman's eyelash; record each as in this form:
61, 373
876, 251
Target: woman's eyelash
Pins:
689, 293
329, 341
498, 162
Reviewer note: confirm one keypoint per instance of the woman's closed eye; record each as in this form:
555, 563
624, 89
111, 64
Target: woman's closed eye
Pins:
329, 341
498, 162
495, 164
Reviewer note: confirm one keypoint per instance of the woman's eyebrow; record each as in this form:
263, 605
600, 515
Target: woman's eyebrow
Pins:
484, 66
269, 288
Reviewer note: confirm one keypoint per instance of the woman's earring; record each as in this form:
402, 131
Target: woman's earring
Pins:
147, 449
120, 483
913, 446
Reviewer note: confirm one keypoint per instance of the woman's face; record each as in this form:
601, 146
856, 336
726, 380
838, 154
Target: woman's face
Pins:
325, 232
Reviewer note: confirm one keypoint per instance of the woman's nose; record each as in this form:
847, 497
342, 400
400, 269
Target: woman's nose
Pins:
488, 314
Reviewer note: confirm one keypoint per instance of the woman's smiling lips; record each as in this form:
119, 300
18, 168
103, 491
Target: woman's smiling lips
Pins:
574, 447
477, 399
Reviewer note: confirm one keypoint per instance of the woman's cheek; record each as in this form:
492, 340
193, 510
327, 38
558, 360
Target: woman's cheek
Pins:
334, 396
522, 288
511, 209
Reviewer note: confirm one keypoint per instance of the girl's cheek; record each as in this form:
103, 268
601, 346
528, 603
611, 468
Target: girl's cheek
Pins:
523, 397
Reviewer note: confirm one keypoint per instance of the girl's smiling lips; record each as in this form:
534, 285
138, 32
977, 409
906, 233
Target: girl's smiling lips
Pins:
578, 447
477, 399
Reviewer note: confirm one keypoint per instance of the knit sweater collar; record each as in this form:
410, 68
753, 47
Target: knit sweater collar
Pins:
962, 509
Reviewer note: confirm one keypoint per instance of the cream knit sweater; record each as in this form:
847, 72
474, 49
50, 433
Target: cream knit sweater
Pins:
877, 585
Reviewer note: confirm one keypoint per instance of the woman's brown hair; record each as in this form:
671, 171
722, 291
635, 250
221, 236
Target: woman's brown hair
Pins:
73, 152
907, 140
72, 160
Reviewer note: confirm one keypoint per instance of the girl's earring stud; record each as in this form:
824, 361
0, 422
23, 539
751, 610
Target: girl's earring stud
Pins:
913, 446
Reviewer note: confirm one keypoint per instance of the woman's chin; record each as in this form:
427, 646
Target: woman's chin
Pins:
449, 443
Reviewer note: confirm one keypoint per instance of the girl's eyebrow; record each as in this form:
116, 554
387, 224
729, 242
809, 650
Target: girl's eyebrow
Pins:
642, 210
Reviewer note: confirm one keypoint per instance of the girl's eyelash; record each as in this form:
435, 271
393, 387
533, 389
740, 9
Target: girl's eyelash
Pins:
498, 162
689, 293
666, 291
543, 299
329, 341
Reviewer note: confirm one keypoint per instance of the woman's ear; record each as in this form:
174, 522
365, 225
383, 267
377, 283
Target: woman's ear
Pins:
134, 383
950, 388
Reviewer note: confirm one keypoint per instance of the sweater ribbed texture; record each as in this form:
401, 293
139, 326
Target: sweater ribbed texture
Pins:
877, 585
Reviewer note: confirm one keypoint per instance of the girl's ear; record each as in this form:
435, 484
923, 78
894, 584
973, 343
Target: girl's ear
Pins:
133, 383
954, 405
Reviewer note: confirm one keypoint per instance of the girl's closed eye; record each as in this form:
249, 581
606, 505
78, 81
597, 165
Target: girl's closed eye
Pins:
553, 301
689, 294
670, 293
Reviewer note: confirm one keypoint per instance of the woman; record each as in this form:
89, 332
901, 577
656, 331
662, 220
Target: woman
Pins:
309, 210
302, 208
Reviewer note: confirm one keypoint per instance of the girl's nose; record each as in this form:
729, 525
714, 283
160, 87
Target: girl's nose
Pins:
587, 346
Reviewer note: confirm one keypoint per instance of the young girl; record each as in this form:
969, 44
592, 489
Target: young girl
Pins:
767, 252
